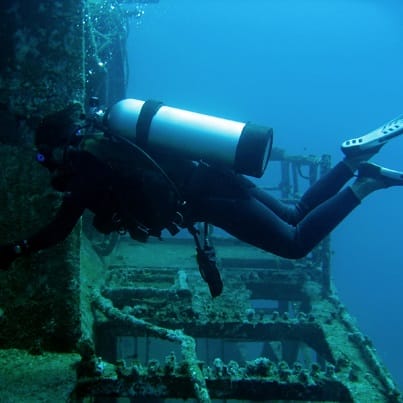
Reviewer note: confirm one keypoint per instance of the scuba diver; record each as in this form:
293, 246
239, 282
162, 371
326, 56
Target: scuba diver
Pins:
182, 168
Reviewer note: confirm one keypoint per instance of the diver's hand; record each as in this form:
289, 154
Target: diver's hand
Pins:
7, 255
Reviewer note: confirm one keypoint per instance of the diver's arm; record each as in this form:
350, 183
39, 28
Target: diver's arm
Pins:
56, 231
59, 228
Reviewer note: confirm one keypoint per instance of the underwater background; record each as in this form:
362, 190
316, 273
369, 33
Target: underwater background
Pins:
316, 71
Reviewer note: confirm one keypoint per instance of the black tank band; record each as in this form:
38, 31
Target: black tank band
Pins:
253, 137
148, 110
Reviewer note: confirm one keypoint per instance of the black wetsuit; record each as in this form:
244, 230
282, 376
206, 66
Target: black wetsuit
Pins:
214, 195
254, 216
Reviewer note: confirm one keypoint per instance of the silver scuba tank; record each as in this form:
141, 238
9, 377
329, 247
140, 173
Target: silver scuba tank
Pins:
244, 147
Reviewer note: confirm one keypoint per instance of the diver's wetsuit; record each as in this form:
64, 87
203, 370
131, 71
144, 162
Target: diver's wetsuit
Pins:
236, 205
217, 196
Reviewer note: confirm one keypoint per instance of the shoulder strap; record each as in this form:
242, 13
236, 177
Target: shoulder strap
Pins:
127, 158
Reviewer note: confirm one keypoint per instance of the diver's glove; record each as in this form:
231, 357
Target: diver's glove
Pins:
9, 252
207, 261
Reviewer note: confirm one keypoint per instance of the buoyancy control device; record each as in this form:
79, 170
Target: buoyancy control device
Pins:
153, 127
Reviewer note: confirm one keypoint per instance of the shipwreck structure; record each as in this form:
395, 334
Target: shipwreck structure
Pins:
102, 319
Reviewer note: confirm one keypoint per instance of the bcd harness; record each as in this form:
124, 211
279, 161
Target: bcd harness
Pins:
168, 209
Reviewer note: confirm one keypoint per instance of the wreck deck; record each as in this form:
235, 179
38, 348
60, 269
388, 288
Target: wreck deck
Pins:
276, 332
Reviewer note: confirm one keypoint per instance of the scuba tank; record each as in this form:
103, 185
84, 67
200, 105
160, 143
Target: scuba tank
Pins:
244, 147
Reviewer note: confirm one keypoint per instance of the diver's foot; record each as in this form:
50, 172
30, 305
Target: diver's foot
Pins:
372, 177
384, 176
366, 146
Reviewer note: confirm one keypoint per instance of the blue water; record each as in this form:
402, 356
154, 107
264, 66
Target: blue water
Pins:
318, 72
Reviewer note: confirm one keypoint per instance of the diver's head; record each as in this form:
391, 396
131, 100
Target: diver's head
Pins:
55, 133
